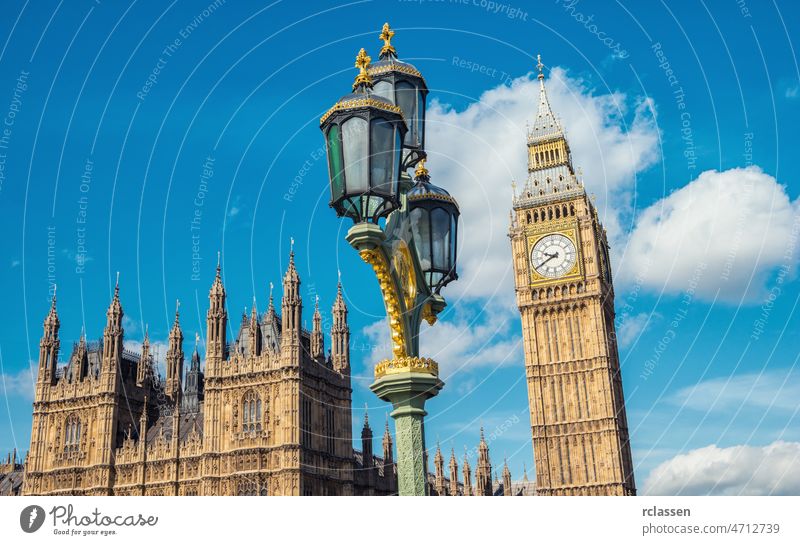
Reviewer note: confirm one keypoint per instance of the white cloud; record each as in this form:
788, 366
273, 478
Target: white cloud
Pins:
724, 231
738, 470
630, 327
475, 153
467, 340
777, 389
20, 383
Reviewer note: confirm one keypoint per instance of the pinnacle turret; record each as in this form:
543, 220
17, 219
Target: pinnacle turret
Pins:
388, 455
317, 338
174, 358
340, 333
216, 320
453, 465
366, 441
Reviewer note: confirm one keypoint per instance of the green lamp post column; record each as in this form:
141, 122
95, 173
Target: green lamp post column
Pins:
371, 141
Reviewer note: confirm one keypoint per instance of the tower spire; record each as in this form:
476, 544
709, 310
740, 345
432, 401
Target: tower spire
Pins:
453, 465
546, 125
340, 333
317, 338
388, 456
366, 440
49, 344
438, 464
506, 478
193, 390
216, 323
483, 470
174, 358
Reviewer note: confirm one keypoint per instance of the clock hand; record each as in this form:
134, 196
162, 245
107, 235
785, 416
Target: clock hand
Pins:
546, 260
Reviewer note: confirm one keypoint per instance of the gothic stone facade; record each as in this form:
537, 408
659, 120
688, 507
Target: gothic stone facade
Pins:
269, 415
566, 298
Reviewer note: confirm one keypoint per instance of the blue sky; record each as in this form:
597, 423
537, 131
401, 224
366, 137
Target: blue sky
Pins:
126, 123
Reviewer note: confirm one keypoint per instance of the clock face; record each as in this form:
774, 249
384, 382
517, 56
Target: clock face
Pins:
553, 256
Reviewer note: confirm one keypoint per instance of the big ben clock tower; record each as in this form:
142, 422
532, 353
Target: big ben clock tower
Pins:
566, 299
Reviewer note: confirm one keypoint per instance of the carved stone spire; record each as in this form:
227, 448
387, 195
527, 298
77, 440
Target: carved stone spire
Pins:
193, 391
216, 322
366, 441
49, 345
291, 312
340, 334
175, 358
271, 307
112, 341
483, 471
438, 464
467, 475
506, 479
388, 456
254, 329
317, 338
144, 367
453, 473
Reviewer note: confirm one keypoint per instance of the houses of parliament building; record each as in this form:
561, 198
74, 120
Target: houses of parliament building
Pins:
271, 414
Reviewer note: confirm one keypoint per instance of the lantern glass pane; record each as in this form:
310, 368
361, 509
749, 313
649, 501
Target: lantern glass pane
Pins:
382, 160
407, 100
440, 227
421, 119
398, 157
453, 240
335, 167
384, 89
421, 231
354, 136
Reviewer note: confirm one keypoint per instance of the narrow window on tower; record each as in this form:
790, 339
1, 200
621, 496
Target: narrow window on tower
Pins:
305, 423
571, 337
547, 340
554, 325
331, 435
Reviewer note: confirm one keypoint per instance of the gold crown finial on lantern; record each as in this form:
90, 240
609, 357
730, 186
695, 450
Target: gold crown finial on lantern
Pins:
362, 63
421, 171
540, 66
386, 36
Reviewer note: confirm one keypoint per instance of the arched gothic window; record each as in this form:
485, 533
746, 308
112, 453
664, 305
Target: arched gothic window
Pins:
72, 433
251, 412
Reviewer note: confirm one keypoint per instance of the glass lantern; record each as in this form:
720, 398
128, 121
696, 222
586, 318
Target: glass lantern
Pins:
434, 224
403, 85
363, 135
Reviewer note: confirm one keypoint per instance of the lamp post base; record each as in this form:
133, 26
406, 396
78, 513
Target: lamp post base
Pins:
408, 392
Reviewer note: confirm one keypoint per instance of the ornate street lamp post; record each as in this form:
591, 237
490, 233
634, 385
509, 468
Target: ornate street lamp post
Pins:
374, 136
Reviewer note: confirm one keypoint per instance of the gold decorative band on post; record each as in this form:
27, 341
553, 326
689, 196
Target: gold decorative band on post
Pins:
408, 364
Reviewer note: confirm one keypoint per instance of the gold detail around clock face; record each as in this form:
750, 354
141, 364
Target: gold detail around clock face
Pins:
554, 255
